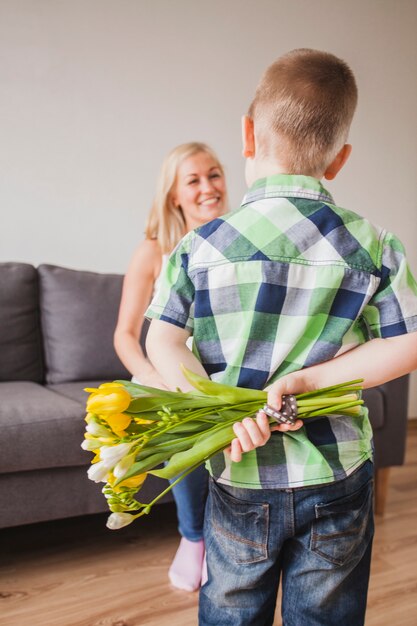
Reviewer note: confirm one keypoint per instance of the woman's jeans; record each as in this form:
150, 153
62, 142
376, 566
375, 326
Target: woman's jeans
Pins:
318, 539
190, 496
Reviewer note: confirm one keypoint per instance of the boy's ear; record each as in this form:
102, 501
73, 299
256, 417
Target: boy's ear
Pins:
248, 137
338, 162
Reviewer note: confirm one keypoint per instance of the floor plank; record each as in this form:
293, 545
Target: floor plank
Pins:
78, 573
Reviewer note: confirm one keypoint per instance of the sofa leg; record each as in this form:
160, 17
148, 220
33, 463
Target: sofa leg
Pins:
381, 489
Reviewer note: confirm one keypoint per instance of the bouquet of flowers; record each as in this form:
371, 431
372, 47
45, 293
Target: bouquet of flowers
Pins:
132, 429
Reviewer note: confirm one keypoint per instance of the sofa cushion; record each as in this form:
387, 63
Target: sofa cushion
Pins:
78, 316
75, 391
39, 428
42, 495
20, 340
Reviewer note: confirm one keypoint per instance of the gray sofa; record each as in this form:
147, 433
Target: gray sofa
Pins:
56, 337
56, 330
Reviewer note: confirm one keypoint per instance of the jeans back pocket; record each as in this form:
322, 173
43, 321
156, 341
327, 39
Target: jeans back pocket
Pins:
342, 528
241, 526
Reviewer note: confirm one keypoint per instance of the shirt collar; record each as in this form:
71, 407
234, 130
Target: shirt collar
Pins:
287, 186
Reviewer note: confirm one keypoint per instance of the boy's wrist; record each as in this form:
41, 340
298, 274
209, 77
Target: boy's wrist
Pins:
296, 382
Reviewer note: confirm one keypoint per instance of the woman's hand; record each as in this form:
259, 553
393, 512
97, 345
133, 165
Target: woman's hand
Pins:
150, 378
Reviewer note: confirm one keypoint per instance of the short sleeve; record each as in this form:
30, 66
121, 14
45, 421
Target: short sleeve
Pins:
174, 300
392, 310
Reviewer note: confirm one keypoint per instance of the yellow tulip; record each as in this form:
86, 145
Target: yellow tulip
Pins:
108, 401
134, 481
139, 420
110, 385
97, 458
102, 386
131, 483
118, 421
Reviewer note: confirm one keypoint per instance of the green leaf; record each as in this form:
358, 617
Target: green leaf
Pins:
204, 448
190, 427
150, 457
138, 391
145, 464
334, 409
152, 404
224, 393
342, 387
165, 443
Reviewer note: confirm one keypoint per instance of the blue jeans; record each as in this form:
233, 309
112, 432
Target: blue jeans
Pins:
190, 496
317, 539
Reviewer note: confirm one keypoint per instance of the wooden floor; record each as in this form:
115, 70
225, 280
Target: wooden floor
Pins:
78, 573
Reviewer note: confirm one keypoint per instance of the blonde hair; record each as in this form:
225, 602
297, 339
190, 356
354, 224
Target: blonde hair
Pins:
303, 108
166, 221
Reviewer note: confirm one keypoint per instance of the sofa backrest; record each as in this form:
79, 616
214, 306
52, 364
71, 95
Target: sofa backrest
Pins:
78, 317
20, 335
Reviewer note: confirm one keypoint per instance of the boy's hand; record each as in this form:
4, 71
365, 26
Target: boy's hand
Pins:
251, 434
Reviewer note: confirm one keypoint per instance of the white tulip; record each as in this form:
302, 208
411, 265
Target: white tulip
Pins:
97, 429
118, 520
90, 444
98, 472
110, 455
123, 465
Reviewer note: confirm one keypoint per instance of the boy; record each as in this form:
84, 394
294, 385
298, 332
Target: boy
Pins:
290, 288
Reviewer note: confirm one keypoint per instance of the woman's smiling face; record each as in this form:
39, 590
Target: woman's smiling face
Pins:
200, 190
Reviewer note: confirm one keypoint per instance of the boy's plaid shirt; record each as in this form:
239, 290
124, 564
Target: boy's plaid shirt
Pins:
287, 281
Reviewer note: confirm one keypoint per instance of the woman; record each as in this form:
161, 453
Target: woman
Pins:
191, 191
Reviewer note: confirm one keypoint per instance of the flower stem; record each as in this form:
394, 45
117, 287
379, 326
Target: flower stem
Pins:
353, 384
168, 489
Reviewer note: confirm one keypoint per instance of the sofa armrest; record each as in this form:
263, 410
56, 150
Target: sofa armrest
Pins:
390, 428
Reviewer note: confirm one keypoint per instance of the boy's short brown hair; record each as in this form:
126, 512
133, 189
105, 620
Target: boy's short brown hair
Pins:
303, 108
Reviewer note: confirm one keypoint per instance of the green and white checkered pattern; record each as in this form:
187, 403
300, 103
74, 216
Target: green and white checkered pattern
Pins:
287, 281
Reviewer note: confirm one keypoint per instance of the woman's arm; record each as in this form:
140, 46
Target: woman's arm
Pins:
137, 291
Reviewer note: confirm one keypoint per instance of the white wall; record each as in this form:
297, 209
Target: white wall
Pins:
95, 92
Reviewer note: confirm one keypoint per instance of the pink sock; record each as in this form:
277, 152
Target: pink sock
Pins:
185, 570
